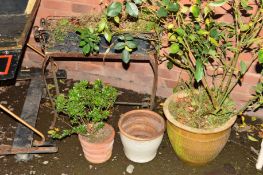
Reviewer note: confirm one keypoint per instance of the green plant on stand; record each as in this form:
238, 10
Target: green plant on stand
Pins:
126, 44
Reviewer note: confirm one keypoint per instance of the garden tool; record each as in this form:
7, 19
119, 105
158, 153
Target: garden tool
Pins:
8, 149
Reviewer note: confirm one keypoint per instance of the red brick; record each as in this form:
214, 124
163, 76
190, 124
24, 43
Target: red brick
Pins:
169, 74
67, 65
142, 68
57, 5
251, 78
170, 83
81, 8
87, 66
44, 12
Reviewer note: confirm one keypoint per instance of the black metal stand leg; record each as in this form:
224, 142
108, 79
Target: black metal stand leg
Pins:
154, 65
53, 69
44, 65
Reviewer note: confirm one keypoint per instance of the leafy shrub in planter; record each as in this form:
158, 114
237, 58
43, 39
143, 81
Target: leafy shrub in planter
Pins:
86, 106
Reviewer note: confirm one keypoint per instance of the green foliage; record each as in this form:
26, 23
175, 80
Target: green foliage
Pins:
86, 106
89, 40
199, 70
114, 9
201, 44
217, 3
132, 9
126, 44
260, 56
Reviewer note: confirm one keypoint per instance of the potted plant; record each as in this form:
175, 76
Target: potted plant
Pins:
201, 112
85, 107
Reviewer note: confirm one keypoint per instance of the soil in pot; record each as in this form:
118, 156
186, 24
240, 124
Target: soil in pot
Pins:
98, 148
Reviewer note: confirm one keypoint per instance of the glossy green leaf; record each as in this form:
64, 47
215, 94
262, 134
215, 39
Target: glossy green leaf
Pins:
127, 48
214, 33
173, 7
96, 48
102, 25
119, 46
162, 12
243, 67
86, 49
137, 1
180, 32
131, 44
117, 19
172, 37
244, 27
169, 65
217, 3
199, 70
260, 56
213, 41
212, 53
195, 10
166, 2
125, 56
180, 40
128, 37
114, 9
108, 35
82, 43
192, 37
202, 32
132, 9
174, 48
121, 37
244, 4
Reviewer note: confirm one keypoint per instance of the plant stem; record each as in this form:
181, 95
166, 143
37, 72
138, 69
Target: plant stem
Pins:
237, 80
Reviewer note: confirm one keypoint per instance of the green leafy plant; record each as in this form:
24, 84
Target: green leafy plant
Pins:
210, 49
126, 44
89, 40
86, 106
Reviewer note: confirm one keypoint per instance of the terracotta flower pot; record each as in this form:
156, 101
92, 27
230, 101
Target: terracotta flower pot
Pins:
195, 146
141, 134
98, 151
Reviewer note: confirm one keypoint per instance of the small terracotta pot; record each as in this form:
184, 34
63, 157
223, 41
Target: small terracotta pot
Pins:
141, 134
98, 152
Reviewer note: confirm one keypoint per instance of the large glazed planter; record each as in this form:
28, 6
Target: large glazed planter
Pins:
98, 152
195, 146
141, 133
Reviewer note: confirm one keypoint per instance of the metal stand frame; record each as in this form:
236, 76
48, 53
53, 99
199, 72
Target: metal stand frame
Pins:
41, 35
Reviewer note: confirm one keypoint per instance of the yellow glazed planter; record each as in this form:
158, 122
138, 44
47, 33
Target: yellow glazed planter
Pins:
195, 146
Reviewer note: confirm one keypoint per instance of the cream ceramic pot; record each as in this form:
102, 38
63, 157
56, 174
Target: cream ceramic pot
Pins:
141, 133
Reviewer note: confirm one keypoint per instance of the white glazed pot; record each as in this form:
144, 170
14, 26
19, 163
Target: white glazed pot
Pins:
141, 133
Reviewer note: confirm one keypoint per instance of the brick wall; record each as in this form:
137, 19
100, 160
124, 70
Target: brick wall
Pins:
138, 76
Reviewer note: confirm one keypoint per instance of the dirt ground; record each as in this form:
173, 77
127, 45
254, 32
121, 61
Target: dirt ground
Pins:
237, 158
